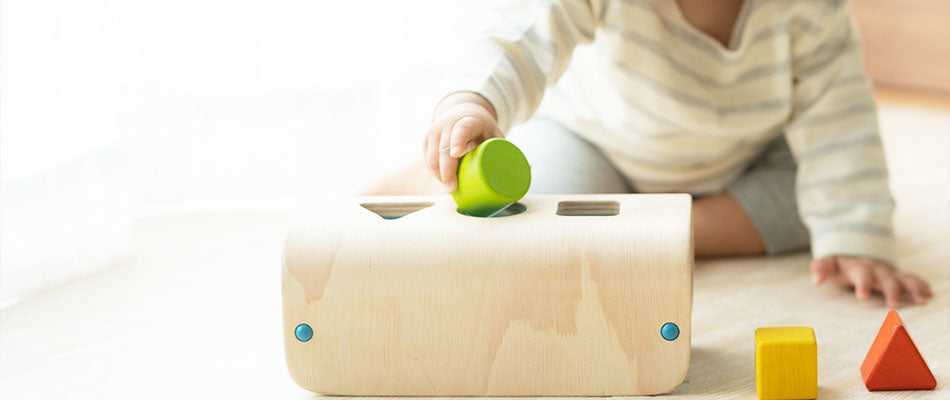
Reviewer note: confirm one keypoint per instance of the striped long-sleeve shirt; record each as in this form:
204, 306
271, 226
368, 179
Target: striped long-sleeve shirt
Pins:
675, 110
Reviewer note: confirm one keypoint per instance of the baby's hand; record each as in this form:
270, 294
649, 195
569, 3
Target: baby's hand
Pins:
865, 274
463, 120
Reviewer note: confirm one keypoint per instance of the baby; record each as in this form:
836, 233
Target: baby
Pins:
759, 108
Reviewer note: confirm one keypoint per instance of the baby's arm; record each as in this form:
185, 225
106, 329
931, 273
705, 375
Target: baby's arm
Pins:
503, 79
842, 188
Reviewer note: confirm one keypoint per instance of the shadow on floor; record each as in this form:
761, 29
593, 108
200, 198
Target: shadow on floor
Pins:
715, 373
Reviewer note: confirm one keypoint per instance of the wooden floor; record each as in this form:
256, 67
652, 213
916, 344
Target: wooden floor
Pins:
195, 313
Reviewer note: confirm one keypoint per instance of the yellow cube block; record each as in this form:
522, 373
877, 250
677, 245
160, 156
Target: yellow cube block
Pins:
786, 363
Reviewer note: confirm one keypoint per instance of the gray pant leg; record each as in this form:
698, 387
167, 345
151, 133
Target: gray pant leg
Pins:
563, 163
767, 194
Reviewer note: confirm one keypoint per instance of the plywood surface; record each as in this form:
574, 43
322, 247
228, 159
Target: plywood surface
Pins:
196, 312
536, 303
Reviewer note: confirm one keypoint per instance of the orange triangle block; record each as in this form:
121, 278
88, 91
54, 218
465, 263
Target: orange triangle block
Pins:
893, 363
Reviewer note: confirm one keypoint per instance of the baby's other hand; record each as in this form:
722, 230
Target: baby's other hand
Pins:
867, 274
463, 120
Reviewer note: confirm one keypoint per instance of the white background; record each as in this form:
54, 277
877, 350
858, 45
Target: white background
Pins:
113, 110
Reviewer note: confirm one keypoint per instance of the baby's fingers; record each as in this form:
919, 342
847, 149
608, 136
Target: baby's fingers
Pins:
448, 165
822, 268
919, 289
465, 130
889, 285
862, 279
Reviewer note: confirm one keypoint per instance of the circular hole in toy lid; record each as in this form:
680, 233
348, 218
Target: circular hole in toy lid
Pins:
512, 209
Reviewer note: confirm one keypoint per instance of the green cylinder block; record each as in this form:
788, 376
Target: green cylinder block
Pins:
491, 177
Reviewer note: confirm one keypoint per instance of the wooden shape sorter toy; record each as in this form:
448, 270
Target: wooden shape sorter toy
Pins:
575, 295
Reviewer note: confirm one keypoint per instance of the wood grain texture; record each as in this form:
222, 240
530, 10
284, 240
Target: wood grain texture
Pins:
786, 363
894, 363
438, 303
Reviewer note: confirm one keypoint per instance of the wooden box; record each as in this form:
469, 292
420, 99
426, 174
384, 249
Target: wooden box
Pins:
578, 295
